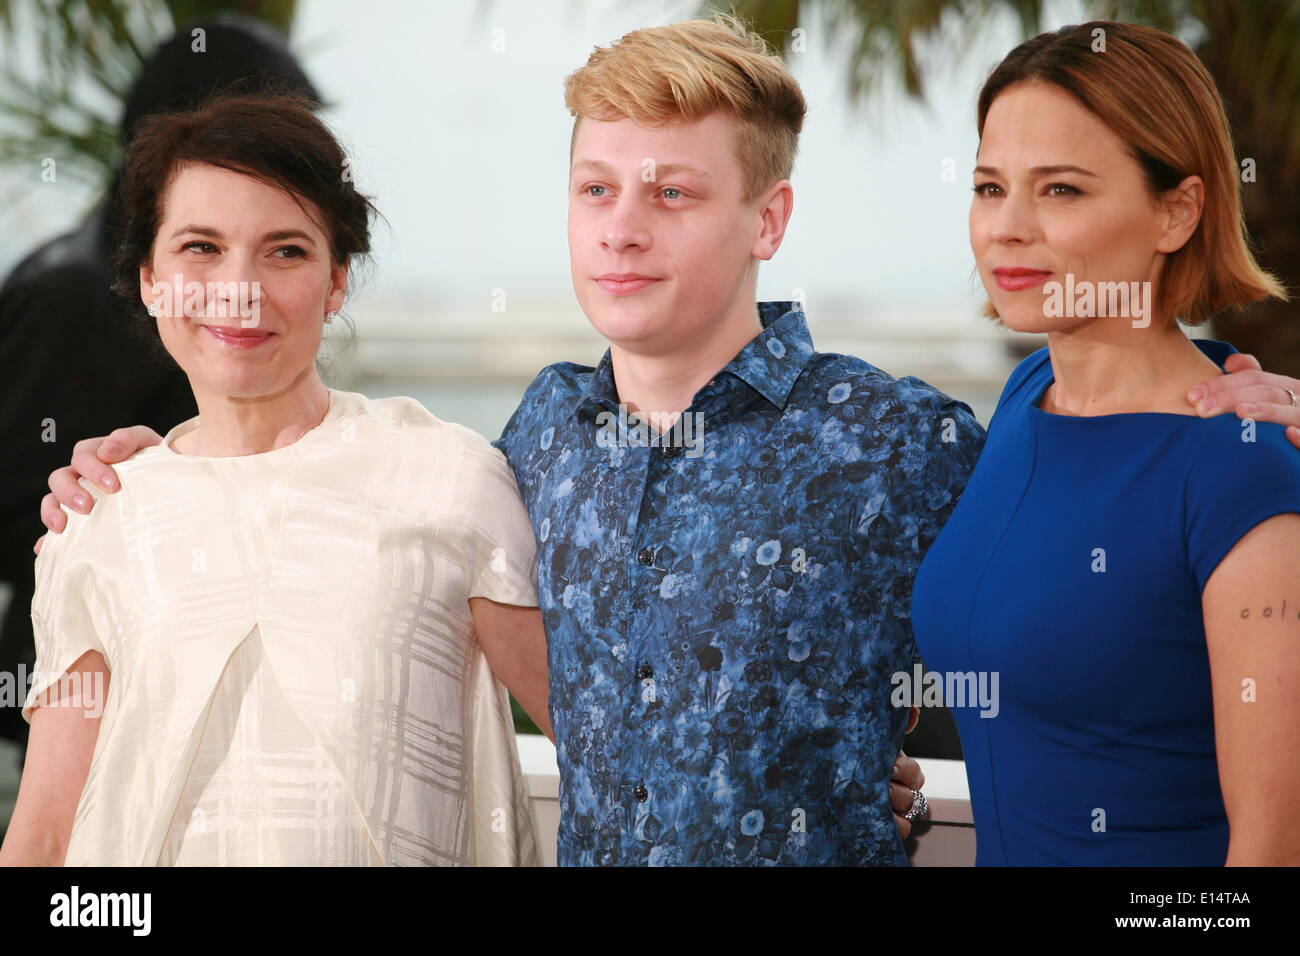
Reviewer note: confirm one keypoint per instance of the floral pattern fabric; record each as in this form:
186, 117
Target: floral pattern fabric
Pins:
724, 620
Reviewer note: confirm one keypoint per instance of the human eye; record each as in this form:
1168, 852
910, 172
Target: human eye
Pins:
599, 192
1068, 190
196, 243
985, 190
297, 250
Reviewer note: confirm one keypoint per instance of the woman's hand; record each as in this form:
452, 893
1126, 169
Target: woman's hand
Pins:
1251, 393
90, 458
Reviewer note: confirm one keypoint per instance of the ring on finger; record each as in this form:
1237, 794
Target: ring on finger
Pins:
920, 807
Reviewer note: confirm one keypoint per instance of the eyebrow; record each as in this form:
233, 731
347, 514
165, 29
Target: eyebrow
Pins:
669, 168
1041, 170
275, 236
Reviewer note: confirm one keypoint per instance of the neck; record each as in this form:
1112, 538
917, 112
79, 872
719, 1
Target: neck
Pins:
229, 426
1107, 367
664, 383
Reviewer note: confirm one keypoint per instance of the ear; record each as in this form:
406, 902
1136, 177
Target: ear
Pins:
148, 295
1182, 207
338, 287
774, 207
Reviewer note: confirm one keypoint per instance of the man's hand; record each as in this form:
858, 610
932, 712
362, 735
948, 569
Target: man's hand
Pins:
906, 777
90, 458
1251, 393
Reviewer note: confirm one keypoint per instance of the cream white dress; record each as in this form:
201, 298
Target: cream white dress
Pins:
294, 678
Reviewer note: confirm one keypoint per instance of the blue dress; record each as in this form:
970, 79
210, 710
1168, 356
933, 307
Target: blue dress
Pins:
1072, 568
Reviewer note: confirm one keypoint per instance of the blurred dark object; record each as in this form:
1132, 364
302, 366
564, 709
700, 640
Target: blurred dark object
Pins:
62, 60
523, 723
935, 736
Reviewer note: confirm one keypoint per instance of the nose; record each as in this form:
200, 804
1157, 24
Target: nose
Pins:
1013, 219
626, 228
236, 292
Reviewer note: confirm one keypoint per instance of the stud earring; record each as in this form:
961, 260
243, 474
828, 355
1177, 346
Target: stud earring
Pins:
329, 317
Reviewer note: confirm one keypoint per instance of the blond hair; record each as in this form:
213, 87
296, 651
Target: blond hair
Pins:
1160, 100
685, 71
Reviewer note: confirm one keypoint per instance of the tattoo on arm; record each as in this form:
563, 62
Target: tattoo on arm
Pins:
1286, 610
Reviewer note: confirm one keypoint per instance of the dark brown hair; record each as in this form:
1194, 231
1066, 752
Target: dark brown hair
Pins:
1157, 97
272, 137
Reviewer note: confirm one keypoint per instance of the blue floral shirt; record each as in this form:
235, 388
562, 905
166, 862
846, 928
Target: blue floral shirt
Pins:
724, 615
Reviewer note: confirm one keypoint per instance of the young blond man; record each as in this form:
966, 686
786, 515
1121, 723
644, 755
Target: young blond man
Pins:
726, 591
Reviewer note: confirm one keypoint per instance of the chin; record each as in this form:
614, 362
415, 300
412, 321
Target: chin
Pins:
1022, 320
1028, 317
243, 382
624, 322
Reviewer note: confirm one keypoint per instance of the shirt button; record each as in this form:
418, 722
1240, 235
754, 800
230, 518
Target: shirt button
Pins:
670, 451
646, 557
640, 793
644, 672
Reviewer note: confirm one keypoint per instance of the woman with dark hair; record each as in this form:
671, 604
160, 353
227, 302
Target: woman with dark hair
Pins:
1129, 571
66, 356
296, 595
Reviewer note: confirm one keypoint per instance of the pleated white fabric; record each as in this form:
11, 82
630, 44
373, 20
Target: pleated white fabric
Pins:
294, 675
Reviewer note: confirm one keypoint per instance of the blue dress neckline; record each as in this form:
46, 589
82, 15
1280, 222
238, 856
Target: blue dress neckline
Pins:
1223, 348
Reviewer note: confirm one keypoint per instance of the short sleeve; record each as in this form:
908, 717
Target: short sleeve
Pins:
940, 445
69, 612
534, 413
1245, 473
933, 445
500, 549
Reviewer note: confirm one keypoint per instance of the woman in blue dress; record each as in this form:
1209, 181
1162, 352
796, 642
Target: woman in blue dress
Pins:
1129, 570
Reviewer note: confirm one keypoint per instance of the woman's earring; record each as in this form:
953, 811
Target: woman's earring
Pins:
329, 317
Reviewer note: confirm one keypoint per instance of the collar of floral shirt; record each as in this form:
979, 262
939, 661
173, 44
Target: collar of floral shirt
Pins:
770, 363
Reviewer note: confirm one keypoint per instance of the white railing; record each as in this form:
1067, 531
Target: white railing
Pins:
947, 840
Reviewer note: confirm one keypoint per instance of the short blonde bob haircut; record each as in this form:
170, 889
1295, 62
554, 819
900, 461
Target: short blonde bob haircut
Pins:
1153, 92
685, 71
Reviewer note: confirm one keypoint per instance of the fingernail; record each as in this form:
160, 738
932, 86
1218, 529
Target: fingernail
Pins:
1205, 407
1249, 408
1197, 393
108, 482
110, 448
81, 501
